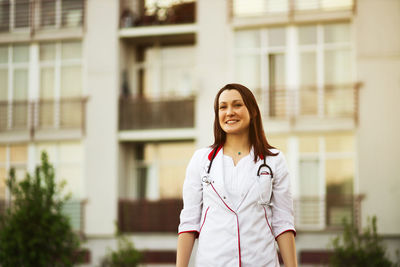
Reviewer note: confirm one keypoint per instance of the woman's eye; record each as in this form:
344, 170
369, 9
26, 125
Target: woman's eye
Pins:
238, 105
222, 107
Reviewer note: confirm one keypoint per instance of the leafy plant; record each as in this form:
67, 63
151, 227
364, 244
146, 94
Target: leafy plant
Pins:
359, 249
33, 230
126, 254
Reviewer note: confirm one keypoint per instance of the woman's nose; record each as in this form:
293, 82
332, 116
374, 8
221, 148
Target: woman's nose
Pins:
230, 111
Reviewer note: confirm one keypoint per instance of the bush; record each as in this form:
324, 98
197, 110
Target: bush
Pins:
126, 254
359, 249
33, 230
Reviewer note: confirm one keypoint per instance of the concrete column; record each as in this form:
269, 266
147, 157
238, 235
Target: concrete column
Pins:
101, 142
377, 27
214, 49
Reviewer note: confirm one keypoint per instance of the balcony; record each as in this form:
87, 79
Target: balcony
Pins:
73, 209
143, 216
254, 12
36, 117
138, 13
31, 18
311, 213
138, 113
327, 212
331, 104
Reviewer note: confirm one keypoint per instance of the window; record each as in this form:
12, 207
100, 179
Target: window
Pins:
158, 170
12, 156
60, 84
166, 71
326, 177
14, 85
318, 80
67, 159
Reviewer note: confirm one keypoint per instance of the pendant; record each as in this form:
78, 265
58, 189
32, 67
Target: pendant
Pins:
239, 153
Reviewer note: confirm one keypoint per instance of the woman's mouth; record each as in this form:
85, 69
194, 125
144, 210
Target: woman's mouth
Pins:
231, 121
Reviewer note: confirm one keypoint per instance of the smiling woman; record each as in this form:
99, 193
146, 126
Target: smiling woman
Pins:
236, 192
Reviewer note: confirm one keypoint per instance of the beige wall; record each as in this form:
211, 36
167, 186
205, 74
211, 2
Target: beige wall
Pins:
377, 26
101, 143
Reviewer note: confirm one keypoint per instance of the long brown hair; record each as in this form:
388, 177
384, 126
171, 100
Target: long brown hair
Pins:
256, 131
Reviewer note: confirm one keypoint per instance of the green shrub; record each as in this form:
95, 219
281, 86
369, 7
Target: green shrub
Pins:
126, 254
359, 249
33, 230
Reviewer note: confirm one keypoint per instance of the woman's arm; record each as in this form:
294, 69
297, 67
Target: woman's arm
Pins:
184, 249
287, 248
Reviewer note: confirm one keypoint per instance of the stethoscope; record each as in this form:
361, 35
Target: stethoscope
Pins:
206, 179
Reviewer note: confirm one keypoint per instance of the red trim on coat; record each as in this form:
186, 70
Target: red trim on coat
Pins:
204, 220
237, 225
265, 212
190, 231
212, 152
289, 230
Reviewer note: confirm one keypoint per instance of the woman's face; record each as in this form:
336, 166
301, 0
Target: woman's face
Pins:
234, 117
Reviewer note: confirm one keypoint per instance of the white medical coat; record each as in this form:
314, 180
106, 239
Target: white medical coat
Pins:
236, 236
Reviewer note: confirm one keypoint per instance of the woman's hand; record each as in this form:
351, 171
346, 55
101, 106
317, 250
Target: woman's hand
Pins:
287, 248
184, 249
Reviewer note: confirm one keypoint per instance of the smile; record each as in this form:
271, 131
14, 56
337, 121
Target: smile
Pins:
231, 121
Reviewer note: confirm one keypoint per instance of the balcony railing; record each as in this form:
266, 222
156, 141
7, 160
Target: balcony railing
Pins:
33, 15
252, 8
327, 212
42, 115
149, 216
141, 113
73, 209
140, 13
311, 213
329, 102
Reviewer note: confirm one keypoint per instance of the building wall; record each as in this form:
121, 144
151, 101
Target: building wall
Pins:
378, 68
101, 144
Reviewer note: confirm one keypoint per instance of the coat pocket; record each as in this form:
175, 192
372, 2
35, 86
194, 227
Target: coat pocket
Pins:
265, 188
204, 219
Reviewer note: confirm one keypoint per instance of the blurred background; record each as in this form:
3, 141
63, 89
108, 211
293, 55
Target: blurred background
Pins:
120, 93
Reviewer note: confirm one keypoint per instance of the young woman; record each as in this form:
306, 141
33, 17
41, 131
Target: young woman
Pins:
236, 193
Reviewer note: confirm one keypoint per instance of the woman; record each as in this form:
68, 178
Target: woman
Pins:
236, 194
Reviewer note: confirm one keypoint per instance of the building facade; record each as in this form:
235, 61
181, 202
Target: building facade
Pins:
120, 94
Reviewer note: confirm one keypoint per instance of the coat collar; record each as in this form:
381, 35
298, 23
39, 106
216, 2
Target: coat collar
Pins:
217, 175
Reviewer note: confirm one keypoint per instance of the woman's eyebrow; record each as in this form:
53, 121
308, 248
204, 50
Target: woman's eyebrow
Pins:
233, 101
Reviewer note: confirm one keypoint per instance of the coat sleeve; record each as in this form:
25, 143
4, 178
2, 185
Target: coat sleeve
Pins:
282, 202
192, 195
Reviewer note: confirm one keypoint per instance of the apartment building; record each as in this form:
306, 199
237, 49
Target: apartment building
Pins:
120, 94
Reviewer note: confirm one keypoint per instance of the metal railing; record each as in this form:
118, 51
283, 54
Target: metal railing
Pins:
73, 209
311, 213
251, 8
327, 212
33, 15
136, 113
331, 101
43, 114
149, 216
137, 13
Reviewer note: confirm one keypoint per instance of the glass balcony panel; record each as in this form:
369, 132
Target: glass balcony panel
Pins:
3, 54
48, 13
22, 13
71, 113
72, 13
5, 15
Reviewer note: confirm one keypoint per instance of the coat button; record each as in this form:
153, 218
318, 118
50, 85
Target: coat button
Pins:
224, 197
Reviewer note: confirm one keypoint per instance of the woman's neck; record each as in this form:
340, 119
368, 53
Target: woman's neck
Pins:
237, 144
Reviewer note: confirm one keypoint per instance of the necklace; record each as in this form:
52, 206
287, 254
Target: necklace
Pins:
239, 153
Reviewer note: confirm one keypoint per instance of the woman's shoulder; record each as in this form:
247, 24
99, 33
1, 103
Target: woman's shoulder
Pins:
201, 153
